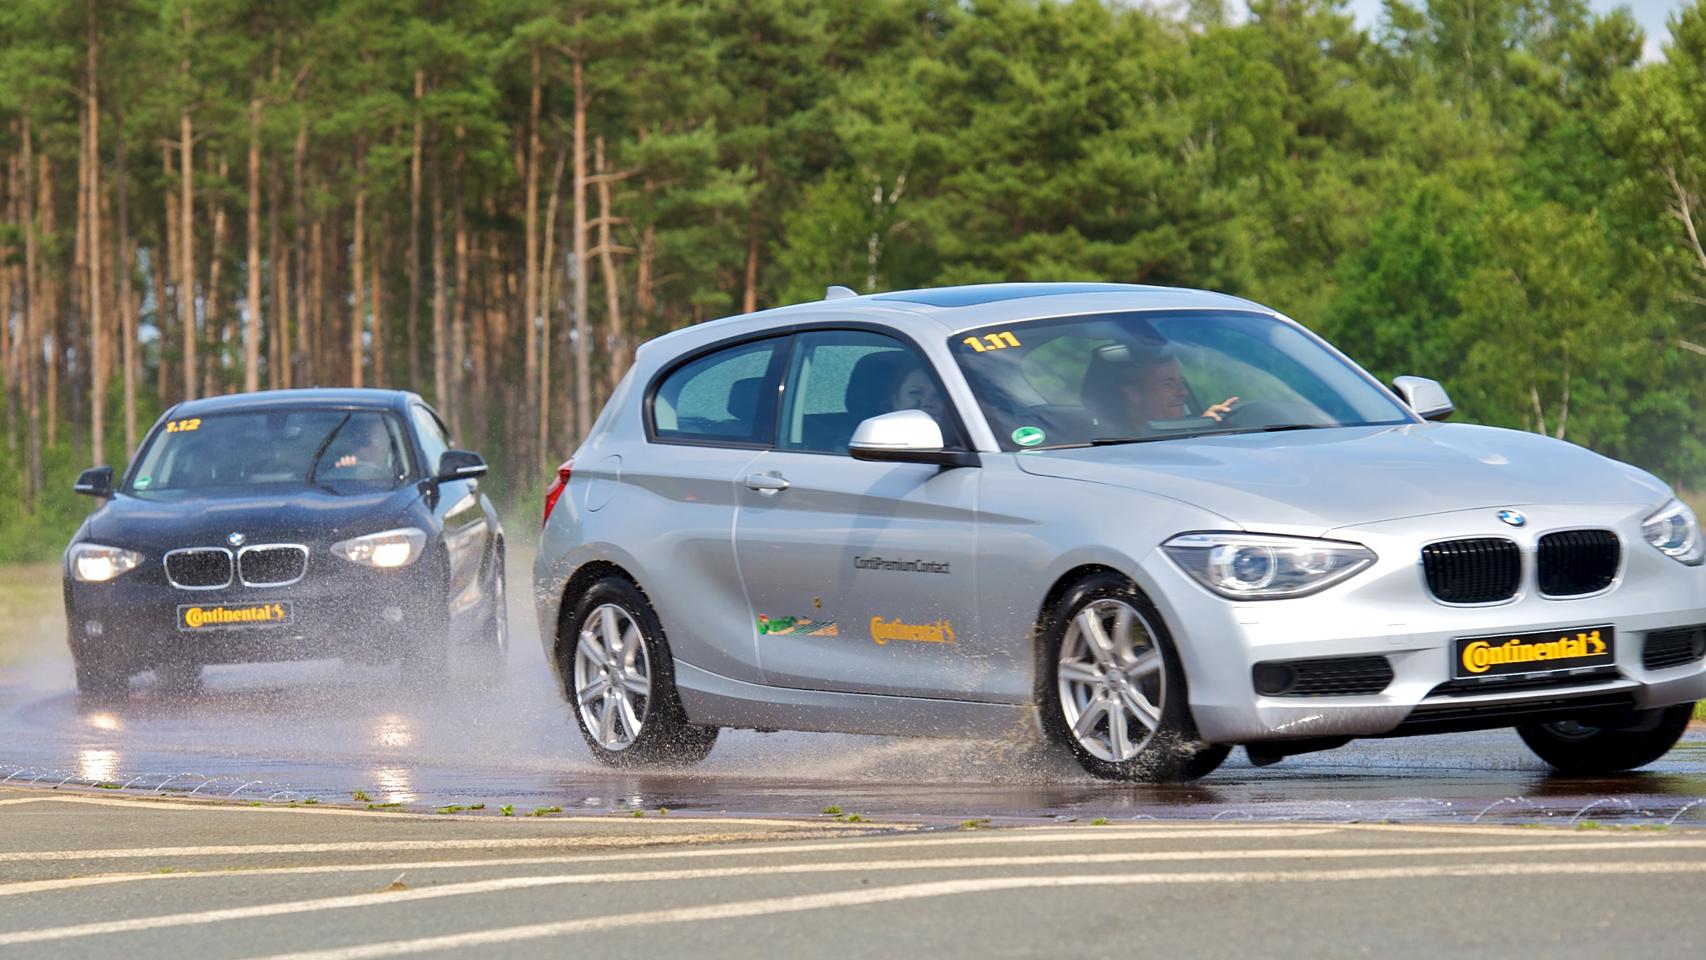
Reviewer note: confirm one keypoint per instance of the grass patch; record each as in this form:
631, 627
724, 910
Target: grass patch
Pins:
32, 605
1700, 711
543, 811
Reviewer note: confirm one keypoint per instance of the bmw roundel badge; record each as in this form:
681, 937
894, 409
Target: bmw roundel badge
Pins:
1512, 517
236, 539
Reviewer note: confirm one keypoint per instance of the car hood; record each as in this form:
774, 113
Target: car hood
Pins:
1312, 481
299, 515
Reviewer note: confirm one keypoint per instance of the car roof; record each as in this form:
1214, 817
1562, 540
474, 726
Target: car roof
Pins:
342, 398
940, 310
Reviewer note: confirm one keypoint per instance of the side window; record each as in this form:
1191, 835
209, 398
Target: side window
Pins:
727, 397
838, 378
433, 440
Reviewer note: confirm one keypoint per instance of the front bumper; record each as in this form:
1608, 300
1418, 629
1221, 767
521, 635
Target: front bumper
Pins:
1387, 611
337, 610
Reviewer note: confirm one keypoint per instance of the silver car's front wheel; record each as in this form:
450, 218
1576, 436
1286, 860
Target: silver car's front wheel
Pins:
1113, 691
1112, 681
618, 674
613, 677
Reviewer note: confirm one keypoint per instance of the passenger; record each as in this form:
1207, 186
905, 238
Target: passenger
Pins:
913, 389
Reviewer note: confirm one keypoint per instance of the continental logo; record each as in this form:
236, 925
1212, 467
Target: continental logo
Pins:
196, 618
883, 631
1481, 656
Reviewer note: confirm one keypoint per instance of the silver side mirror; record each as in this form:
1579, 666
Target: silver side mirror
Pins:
904, 436
1424, 396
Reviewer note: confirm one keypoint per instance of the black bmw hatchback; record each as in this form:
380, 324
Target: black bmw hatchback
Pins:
286, 525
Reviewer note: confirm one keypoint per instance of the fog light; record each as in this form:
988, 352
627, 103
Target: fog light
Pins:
92, 628
392, 614
1273, 679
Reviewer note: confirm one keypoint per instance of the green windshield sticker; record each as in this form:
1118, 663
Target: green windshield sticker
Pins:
143, 482
1028, 436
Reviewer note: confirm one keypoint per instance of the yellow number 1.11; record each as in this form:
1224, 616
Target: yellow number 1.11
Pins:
992, 341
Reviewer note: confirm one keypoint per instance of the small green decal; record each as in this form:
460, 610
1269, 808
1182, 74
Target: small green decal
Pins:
1028, 436
143, 482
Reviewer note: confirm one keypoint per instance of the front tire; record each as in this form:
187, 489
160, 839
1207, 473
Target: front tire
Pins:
490, 649
1113, 691
621, 682
1581, 749
100, 680
178, 679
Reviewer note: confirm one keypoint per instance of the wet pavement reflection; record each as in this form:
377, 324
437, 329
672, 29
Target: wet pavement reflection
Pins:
324, 730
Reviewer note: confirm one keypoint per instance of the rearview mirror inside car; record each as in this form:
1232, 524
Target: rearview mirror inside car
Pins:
1424, 396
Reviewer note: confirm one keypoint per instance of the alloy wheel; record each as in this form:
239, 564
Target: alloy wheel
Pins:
1112, 680
613, 677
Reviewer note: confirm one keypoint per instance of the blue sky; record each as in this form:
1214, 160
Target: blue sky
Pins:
1650, 14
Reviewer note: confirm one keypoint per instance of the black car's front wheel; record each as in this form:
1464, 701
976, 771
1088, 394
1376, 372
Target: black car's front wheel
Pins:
1583, 749
1114, 692
621, 682
101, 680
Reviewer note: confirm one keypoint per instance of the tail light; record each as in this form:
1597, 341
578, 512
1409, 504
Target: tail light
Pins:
556, 489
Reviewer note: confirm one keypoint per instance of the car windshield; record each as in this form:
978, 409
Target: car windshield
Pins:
334, 449
1136, 377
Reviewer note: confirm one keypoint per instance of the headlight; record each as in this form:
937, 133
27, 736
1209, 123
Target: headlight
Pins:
1247, 566
387, 551
93, 563
1675, 532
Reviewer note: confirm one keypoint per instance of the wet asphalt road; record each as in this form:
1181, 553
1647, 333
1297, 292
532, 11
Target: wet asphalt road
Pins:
102, 876
324, 730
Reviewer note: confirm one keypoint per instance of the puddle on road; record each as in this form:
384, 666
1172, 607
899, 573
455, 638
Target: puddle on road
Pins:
325, 730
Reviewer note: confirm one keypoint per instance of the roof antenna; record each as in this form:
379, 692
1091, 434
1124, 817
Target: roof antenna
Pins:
838, 292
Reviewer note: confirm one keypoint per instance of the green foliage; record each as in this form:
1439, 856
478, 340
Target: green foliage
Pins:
1498, 194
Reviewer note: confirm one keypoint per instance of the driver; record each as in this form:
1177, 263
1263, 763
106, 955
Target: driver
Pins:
1129, 387
362, 451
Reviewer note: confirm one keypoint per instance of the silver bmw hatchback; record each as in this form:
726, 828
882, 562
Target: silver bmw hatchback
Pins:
1147, 524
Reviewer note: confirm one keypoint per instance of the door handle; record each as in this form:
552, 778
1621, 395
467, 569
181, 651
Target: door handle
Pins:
768, 484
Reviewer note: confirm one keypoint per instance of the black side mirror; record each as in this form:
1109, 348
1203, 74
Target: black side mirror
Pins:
95, 482
460, 465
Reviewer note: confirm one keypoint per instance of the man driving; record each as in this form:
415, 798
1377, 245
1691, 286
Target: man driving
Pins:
361, 450
1129, 387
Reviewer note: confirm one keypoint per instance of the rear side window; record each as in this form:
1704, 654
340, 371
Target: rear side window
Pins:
726, 398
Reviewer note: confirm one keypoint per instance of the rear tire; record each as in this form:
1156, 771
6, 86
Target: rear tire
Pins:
1113, 691
620, 681
1580, 749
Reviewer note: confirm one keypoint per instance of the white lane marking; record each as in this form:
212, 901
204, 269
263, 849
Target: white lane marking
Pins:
944, 888
476, 887
509, 843
1158, 856
234, 806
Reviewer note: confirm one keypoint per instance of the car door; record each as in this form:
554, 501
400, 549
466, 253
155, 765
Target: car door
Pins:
458, 509
860, 576
706, 419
